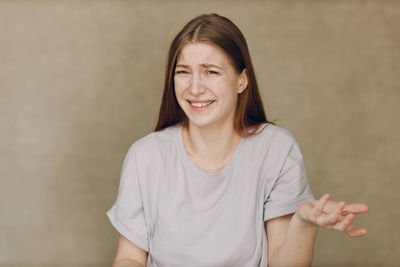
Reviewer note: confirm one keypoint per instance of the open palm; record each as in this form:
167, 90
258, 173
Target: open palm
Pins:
333, 215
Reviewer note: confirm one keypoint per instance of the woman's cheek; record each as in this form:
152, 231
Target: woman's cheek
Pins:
180, 85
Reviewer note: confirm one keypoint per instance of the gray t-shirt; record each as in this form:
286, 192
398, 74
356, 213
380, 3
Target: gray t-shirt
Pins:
186, 217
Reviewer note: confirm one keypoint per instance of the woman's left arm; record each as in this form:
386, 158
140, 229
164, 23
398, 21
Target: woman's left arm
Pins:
291, 238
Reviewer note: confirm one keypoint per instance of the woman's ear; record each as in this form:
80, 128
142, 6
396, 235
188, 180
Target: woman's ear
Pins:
243, 81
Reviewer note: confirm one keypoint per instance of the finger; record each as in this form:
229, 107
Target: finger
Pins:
317, 214
354, 232
356, 208
334, 216
350, 230
346, 224
320, 204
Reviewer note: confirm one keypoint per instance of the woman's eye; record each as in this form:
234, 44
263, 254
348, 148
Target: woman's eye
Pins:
212, 72
181, 72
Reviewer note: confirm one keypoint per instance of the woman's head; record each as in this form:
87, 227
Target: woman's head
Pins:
222, 33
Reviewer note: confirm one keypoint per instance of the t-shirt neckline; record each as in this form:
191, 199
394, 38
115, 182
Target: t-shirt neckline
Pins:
221, 173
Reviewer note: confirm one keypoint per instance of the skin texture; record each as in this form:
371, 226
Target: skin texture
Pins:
205, 75
129, 255
332, 215
291, 238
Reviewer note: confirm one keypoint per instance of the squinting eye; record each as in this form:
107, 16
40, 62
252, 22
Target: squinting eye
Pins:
212, 72
181, 72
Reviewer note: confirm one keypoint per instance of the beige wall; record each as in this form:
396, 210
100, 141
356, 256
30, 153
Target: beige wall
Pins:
81, 80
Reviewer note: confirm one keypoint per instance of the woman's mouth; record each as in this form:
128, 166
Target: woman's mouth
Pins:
200, 105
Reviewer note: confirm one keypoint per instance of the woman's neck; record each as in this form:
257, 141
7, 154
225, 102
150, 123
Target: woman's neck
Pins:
210, 148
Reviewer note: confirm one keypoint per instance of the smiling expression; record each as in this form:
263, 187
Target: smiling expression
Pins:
207, 85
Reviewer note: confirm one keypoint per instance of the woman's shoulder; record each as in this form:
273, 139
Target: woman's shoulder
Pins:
273, 143
156, 141
272, 132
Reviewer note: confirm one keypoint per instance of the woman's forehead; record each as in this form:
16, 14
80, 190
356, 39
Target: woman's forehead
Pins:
202, 53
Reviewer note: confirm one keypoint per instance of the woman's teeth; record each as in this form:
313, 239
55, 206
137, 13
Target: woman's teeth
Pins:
200, 104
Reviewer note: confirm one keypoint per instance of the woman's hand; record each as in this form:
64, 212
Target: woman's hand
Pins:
332, 215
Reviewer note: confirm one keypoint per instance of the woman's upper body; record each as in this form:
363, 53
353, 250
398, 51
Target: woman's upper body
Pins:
216, 178
185, 216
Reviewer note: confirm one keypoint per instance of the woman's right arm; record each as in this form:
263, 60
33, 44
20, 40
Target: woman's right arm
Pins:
129, 255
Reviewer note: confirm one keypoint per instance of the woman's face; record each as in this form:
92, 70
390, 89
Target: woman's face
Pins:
207, 85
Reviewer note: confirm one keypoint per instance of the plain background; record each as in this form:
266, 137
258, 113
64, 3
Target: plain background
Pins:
80, 81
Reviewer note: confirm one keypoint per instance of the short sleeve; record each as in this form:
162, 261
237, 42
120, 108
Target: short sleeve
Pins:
127, 213
291, 187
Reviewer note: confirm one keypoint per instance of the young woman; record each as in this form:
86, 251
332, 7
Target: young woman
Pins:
217, 184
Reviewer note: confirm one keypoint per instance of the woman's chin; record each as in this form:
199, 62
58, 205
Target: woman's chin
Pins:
206, 123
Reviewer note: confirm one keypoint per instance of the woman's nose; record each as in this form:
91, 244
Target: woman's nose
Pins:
196, 85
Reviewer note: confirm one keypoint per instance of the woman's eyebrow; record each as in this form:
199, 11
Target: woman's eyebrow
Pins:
204, 65
182, 66
208, 65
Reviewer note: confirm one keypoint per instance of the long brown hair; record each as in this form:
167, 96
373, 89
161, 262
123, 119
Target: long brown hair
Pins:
220, 31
